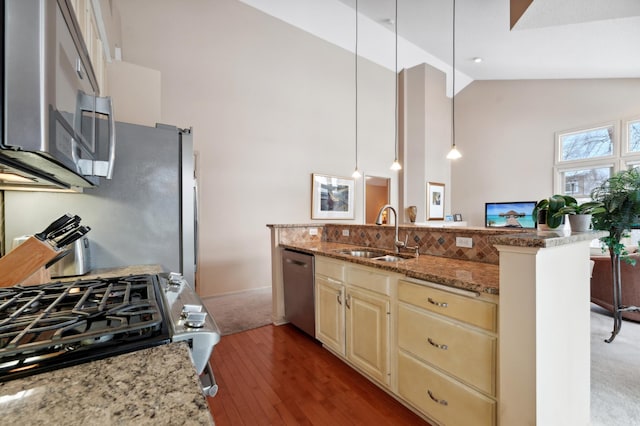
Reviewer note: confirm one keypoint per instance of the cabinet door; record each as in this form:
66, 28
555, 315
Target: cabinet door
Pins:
330, 313
367, 317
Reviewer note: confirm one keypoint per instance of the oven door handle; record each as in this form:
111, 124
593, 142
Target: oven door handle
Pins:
208, 381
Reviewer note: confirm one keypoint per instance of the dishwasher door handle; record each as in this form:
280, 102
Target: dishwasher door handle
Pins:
297, 262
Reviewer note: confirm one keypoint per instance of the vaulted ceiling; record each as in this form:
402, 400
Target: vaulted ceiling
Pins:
552, 39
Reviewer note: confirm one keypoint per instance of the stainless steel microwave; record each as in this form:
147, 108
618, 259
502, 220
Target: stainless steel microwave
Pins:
56, 131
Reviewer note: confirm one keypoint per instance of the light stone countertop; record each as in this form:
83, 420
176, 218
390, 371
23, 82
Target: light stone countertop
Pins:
154, 386
114, 272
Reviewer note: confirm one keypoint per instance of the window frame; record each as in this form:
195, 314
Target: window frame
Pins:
559, 182
625, 153
613, 161
614, 138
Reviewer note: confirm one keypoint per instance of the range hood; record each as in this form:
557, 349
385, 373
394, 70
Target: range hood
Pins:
57, 134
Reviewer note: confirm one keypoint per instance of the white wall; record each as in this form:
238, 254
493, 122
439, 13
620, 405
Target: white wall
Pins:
505, 131
270, 105
426, 137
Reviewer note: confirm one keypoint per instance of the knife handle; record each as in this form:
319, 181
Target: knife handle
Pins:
53, 226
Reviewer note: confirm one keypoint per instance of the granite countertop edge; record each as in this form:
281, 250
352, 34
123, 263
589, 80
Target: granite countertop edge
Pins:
461, 274
545, 239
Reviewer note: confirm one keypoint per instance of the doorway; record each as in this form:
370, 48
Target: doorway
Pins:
376, 195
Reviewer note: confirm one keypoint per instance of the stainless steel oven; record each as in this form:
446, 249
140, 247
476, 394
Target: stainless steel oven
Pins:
60, 324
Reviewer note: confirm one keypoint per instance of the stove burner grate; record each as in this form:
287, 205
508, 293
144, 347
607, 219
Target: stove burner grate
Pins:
41, 323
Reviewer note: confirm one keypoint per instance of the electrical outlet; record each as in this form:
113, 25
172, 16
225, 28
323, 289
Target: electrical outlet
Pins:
464, 242
345, 232
313, 231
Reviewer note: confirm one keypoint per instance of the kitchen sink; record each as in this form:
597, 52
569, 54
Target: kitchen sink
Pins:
369, 254
389, 258
372, 254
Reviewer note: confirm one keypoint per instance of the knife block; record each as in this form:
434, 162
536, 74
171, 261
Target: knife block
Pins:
26, 263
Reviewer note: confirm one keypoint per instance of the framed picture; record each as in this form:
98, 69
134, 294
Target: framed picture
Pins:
332, 197
457, 217
435, 201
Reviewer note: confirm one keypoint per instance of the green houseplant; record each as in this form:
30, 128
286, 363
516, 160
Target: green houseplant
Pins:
546, 210
580, 215
620, 198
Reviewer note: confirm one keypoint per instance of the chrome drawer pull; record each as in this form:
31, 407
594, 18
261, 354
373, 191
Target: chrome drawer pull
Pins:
439, 401
441, 304
432, 343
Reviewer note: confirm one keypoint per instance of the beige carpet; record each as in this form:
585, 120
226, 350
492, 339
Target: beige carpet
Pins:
615, 372
241, 311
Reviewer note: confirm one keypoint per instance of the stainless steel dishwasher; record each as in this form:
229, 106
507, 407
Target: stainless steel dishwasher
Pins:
298, 280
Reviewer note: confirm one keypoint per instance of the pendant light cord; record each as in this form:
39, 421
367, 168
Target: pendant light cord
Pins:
453, 79
396, 77
356, 83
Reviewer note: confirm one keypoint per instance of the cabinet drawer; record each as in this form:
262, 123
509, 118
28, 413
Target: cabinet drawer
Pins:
328, 268
369, 279
441, 397
466, 354
475, 312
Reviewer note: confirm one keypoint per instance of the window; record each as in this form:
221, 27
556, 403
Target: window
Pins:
586, 144
588, 156
579, 183
632, 136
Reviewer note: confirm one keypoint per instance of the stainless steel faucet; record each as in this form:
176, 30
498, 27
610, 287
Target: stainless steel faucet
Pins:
399, 244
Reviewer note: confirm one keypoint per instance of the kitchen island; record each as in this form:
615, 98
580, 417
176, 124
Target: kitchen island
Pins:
154, 386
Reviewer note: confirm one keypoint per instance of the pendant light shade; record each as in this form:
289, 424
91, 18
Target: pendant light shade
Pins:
454, 153
396, 164
356, 173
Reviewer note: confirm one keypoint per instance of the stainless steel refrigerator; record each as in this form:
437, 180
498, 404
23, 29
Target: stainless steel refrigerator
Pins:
147, 214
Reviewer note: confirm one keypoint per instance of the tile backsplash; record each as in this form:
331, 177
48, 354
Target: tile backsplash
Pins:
430, 240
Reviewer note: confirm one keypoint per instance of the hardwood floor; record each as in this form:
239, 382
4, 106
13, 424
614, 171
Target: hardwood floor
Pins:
280, 376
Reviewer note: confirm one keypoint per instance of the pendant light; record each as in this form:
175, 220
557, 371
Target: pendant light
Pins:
454, 153
356, 173
396, 165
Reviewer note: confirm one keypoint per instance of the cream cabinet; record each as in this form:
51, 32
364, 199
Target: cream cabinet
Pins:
330, 313
86, 17
329, 303
367, 332
447, 346
353, 314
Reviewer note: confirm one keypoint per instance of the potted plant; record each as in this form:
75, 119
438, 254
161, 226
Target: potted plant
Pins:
580, 214
620, 197
545, 213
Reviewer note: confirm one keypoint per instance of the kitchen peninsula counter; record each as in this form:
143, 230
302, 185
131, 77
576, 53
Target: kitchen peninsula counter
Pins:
152, 386
463, 274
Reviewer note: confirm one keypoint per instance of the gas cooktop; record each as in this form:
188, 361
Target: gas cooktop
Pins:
54, 325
